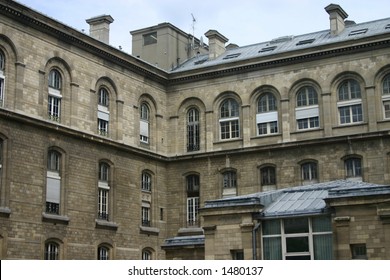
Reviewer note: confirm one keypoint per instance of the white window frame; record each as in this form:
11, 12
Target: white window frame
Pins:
192, 210
269, 119
283, 236
229, 125
144, 124
193, 134
146, 182
2, 88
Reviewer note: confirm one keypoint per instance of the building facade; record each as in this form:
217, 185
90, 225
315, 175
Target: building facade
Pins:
103, 155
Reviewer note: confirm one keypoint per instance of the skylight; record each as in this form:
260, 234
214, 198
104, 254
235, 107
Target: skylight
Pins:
357, 32
233, 55
304, 42
387, 26
267, 49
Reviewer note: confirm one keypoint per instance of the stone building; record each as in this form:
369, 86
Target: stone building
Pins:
106, 155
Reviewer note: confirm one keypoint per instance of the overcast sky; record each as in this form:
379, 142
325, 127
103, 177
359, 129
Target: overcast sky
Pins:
243, 22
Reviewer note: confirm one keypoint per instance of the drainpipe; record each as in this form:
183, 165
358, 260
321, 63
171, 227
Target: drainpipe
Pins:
254, 240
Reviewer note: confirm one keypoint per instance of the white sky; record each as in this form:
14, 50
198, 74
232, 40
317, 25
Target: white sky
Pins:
243, 22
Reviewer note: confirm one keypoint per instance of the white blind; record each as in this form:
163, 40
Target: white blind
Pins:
53, 189
144, 128
267, 117
103, 115
307, 112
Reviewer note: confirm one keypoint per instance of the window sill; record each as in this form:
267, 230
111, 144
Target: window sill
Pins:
149, 230
5, 211
55, 218
106, 224
231, 140
341, 126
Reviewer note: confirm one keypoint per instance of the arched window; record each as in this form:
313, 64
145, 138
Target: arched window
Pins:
144, 123
229, 119
307, 111
193, 130
103, 111
2, 78
309, 172
386, 96
349, 102
51, 251
229, 183
146, 254
267, 114
103, 253
146, 182
353, 168
192, 182
268, 176
55, 95
103, 191
53, 182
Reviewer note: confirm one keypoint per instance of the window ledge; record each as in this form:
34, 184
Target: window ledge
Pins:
149, 230
5, 211
222, 141
106, 224
341, 126
55, 218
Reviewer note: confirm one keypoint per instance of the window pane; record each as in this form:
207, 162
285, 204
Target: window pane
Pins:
321, 224
297, 244
272, 248
271, 227
296, 225
323, 249
386, 85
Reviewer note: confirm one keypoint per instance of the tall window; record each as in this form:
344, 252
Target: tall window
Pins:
103, 253
297, 239
103, 111
193, 130
146, 182
103, 191
309, 172
55, 95
350, 102
145, 214
386, 96
267, 114
353, 168
307, 112
53, 182
51, 251
268, 176
192, 200
2, 78
1, 168
229, 183
144, 123
229, 119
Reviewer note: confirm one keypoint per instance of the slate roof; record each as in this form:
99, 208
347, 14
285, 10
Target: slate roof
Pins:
290, 43
302, 200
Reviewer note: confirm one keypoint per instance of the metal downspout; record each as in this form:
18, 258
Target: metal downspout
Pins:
254, 240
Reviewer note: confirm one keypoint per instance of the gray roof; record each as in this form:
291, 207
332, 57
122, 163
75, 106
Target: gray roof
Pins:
290, 43
302, 200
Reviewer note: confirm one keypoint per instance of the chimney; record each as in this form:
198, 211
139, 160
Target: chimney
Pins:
337, 16
99, 28
216, 43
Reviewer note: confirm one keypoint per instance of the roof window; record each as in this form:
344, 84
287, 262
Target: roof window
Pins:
357, 32
267, 49
387, 26
233, 55
304, 42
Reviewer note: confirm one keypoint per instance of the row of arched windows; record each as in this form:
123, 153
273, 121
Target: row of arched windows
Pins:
104, 251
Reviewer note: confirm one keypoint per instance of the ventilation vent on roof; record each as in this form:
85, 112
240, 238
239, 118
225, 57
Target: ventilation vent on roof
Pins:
267, 49
233, 55
387, 26
304, 42
282, 39
357, 32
